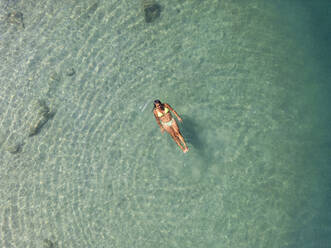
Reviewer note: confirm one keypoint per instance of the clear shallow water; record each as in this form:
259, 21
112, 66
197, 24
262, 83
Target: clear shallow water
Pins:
251, 82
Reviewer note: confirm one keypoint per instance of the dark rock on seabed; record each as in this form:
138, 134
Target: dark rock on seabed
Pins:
16, 18
44, 114
70, 72
152, 10
14, 148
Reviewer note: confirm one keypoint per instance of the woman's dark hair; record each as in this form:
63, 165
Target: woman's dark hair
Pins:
159, 102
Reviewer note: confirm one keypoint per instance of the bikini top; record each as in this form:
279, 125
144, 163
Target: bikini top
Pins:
160, 114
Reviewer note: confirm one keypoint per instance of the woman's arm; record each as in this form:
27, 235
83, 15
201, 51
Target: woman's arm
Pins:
171, 109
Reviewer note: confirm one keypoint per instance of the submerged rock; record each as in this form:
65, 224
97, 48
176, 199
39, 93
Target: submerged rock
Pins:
152, 10
54, 76
70, 72
90, 11
55, 79
43, 115
16, 18
14, 148
49, 244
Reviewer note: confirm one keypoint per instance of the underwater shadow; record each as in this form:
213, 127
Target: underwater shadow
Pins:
190, 130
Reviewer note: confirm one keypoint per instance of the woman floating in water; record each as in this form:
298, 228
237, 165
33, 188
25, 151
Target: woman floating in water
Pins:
166, 122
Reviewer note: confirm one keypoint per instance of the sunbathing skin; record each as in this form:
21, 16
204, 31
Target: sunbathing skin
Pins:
167, 123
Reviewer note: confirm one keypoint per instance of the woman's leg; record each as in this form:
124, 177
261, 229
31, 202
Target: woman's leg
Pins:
178, 142
178, 134
173, 135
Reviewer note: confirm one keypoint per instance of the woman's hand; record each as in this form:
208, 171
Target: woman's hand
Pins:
180, 119
162, 129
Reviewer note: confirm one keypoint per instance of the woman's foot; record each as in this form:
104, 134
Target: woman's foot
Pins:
185, 150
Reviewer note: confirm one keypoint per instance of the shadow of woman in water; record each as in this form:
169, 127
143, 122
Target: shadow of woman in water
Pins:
190, 130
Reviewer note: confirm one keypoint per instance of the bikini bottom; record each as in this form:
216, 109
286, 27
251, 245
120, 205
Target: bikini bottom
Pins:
169, 123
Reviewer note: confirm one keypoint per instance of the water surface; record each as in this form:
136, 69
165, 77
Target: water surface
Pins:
251, 82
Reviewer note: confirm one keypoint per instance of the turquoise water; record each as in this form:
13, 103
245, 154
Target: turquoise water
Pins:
251, 82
